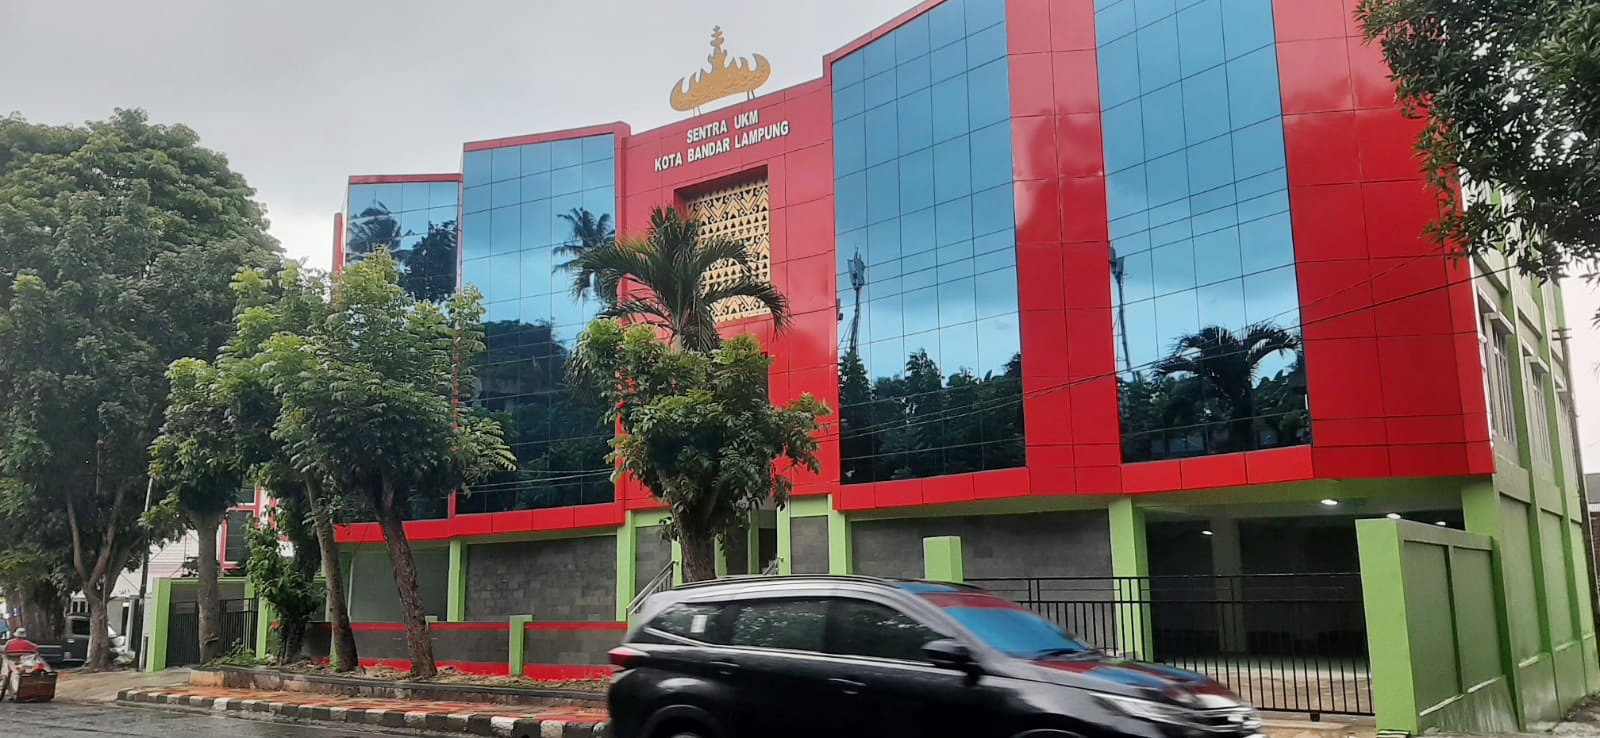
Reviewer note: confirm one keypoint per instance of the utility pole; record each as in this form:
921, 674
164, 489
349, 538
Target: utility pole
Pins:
144, 584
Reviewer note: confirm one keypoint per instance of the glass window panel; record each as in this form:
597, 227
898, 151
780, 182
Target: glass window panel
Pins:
504, 230
507, 163
601, 173
949, 103
1246, 25
536, 268
984, 13
1002, 243
362, 198
917, 232
1210, 164
504, 282
958, 301
566, 180
849, 100
1144, 343
1168, 178
986, 46
1175, 212
998, 343
1258, 149
535, 218
1127, 148
884, 318
537, 309
477, 272
566, 153
535, 158
953, 221
947, 62
887, 358
1222, 304
883, 192
915, 114
879, 89
414, 222
996, 292
500, 311
508, 192
847, 245
991, 156
1170, 233
600, 201
475, 199
988, 100
536, 186
1215, 220
955, 260
1173, 267
560, 230
992, 210
916, 180
1253, 87
882, 135
1150, 11
1200, 36
850, 145
1216, 256
1266, 205
952, 169
568, 310
1114, 20
1272, 296
1266, 243
878, 56
1273, 181
1177, 315
850, 201
1213, 199
958, 348
919, 271
475, 235
883, 242
921, 310
414, 196
475, 166
597, 148
913, 75
1138, 279
848, 70
1158, 55
1204, 114
946, 24
1126, 194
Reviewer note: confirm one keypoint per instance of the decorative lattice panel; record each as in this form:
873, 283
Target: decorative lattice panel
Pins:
738, 212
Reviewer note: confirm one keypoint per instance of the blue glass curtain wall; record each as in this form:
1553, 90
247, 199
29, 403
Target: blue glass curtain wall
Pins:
524, 210
930, 354
1206, 306
416, 222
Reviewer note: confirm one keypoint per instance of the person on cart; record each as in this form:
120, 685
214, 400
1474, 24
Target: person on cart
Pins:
24, 675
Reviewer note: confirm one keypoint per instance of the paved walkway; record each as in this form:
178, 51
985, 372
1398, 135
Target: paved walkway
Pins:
103, 686
449, 717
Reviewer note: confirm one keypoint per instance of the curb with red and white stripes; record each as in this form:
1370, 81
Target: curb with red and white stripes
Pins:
469, 723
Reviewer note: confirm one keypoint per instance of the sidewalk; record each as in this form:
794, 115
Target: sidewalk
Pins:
103, 686
443, 717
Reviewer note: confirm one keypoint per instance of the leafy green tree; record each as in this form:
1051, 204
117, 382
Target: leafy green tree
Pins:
294, 301
1511, 94
196, 461
117, 242
672, 263
283, 581
368, 402
699, 430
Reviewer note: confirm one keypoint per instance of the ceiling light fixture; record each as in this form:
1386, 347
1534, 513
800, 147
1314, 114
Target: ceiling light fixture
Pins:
1329, 501
1393, 516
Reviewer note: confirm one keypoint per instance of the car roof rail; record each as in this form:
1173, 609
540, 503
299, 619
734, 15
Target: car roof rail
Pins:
859, 578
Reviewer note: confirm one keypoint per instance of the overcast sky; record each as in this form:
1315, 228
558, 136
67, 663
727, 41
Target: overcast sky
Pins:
300, 93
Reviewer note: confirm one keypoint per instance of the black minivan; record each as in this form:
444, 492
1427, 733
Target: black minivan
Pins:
851, 656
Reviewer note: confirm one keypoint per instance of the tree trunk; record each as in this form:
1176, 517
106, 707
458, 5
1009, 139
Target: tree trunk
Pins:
291, 636
210, 601
699, 556
419, 644
343, 638
99, 623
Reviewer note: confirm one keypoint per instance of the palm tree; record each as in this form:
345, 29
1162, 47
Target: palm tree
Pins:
589, 231
672, 263
1227, 362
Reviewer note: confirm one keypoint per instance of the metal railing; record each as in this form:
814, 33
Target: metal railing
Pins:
661, 581
236, 625
1290, 642
772, 567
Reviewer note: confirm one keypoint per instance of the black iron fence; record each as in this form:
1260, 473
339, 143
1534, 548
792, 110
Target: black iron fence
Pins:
236, 626
1291, 642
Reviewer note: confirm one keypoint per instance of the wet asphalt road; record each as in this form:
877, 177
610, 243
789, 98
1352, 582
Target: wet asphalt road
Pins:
64, 720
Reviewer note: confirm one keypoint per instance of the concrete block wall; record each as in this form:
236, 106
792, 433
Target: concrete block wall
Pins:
808, 545
1076, 543
568, 579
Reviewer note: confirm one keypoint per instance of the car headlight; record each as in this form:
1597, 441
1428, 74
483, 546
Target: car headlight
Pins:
1222, 720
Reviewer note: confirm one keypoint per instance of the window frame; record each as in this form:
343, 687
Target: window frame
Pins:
834, 625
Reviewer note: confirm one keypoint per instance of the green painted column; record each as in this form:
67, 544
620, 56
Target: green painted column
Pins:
1130, 565
785, 545
627, 558
1388, 641
455, 603
841, 553
516, 641
941, 559
160, 609
264, 617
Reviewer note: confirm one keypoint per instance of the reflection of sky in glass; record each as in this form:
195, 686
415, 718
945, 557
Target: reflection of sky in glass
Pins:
923, 194
1196, 186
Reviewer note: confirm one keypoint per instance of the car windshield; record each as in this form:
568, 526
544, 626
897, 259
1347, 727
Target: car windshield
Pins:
1007, 627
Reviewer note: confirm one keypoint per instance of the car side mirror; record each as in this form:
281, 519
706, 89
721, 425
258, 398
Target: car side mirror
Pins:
949, 654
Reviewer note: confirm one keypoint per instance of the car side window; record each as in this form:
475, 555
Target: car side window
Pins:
693, 620
793, 624
862, 628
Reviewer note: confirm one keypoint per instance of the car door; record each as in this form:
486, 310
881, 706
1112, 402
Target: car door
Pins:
885, 688
774, 653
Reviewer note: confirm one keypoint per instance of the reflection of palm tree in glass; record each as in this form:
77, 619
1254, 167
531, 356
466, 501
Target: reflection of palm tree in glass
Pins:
372, 229
1228, 363
589, 231
430, 268
673, 263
